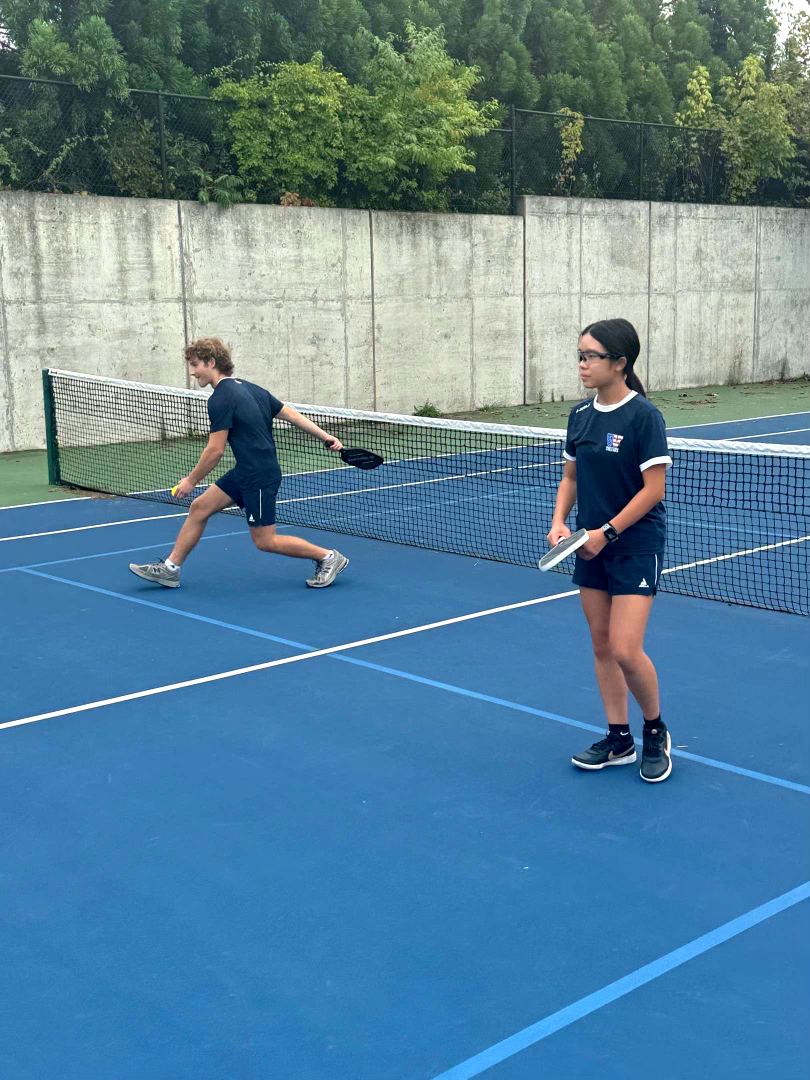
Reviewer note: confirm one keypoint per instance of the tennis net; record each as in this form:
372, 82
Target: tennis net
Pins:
738, 513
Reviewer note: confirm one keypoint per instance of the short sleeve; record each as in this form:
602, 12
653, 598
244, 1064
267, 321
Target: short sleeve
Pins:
270, 406
652, 441
570, 451
220, 411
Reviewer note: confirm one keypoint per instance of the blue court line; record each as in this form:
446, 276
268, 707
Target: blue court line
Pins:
535, 1033
449, 687
514, 705
743, 530
173, 611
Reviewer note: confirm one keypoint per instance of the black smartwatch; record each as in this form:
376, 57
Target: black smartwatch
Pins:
610, 533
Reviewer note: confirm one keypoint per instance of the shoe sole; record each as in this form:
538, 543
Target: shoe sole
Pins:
155, 581
663, 776
331, 581
630, 759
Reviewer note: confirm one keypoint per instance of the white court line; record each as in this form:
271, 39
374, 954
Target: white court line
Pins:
765, 434
83, 528
388, 487
736, 554
48, 502
746, 420
279, 663
353, 644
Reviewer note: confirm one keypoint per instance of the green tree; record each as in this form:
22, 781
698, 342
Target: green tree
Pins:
390, 141
757, 136
694, 151
492, 42
792, 74
575, 67
687, 41
741, 28
85, 52
698, 110
286, 131
626, 59
408, 125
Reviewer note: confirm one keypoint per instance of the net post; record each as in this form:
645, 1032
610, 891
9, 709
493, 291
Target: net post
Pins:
51, 444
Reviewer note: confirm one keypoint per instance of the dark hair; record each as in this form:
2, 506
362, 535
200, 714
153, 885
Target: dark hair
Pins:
620, 340
211, 348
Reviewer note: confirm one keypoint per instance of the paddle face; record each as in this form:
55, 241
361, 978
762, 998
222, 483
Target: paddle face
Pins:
562, 550
361, 459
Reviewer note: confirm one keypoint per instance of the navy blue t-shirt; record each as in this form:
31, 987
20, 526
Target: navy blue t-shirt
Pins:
612, 446
246, 412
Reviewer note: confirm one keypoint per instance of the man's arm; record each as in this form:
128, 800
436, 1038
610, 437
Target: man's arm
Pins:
209, 459
291, 416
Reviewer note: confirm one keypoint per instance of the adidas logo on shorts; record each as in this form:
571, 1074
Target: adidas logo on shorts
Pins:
643, 584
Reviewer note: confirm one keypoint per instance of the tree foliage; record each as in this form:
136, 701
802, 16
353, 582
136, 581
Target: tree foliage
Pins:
756, 132
391, 139
381, 102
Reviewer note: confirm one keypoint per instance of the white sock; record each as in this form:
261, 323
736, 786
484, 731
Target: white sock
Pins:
170, 565
330, 555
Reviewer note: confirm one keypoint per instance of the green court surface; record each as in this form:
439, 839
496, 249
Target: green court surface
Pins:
24, 479
24, 475
681, 408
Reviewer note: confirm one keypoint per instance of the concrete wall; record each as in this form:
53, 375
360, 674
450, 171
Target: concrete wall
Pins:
290, 290
387, 311
718, 294
86, 284
448, 301
582, 264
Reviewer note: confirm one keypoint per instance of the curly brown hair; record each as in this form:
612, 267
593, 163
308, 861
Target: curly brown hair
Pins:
208, 349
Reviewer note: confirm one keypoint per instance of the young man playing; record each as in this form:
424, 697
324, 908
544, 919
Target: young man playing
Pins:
241, 414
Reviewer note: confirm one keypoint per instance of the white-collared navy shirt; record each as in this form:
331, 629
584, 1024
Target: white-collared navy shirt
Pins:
612, 446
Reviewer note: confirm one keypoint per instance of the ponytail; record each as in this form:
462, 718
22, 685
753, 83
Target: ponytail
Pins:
634, 382
620, 340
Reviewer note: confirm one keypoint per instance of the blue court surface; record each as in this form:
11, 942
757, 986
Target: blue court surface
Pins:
253, 831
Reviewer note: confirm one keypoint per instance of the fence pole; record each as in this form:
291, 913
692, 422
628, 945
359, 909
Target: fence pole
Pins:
162, 135
513, 160
641, 161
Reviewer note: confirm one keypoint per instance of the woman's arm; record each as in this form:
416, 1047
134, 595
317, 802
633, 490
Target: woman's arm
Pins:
655, 483
566, 497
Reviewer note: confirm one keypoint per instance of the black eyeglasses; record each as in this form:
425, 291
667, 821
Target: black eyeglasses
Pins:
589, 355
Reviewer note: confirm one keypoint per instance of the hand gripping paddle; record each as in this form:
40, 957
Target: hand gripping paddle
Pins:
563, 549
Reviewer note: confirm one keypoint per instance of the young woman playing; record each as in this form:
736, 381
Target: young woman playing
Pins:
616, 460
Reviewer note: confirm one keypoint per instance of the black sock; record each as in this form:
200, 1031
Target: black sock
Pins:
621, 731
658, 724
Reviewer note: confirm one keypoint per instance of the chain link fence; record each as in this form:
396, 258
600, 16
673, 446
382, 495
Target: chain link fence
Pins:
616, 159
56, 137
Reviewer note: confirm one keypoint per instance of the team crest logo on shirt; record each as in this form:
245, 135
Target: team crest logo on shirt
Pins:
614, 442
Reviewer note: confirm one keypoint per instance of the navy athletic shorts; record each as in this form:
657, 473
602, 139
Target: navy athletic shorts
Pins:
259, 504
620, 574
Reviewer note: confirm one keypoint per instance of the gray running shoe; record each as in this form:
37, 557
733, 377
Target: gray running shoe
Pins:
327, 570
158, 572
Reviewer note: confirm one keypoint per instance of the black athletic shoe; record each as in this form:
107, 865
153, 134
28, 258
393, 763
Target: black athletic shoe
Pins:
612, 750
656, 764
